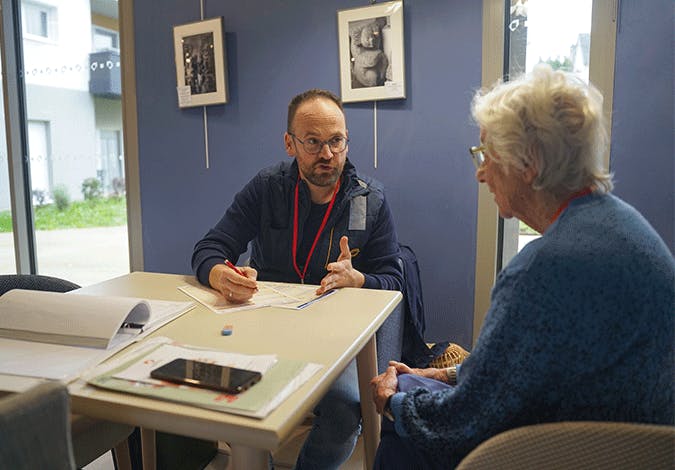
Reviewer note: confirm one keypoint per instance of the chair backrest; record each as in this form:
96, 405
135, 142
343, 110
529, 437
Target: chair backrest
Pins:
35, 429
35, 282
575, 445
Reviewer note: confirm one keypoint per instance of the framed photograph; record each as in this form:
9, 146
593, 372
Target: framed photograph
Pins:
372, 65
200, 63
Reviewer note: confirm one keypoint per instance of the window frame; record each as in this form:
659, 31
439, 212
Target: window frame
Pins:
97, 30
52, 17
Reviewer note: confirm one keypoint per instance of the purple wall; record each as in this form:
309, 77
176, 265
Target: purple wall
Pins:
642, 126
277, 49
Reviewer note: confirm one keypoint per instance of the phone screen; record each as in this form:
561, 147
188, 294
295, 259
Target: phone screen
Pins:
205, 375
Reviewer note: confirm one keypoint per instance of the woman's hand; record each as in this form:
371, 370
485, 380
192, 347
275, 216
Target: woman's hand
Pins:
429, 372
383, 386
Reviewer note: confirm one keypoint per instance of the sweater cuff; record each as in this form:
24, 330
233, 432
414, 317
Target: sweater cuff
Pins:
451, 373
396, 407
205, 269
370, 282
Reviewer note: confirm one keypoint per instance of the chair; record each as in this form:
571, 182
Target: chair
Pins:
35, 429
576, 445
91, 438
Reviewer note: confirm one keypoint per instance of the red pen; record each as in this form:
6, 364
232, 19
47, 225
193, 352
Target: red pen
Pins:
229, 264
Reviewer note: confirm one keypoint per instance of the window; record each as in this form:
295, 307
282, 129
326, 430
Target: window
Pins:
105, 39
579, 35
40, 162
554, 32
69, 211
39, 20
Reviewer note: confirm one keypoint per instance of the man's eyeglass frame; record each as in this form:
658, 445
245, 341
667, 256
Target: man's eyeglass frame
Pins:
321, 144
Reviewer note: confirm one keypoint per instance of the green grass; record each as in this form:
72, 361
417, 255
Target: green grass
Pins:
79, 214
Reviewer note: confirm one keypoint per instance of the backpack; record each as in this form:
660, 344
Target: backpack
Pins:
416, 352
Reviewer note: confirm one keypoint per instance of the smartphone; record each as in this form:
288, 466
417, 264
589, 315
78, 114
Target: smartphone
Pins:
205, 375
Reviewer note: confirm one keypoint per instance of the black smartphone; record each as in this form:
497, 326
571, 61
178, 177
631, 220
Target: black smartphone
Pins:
205, 375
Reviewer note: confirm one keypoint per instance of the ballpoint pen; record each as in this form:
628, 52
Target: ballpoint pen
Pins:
322, 296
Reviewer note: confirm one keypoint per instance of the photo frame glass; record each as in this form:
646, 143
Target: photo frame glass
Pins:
200, 63
371, 52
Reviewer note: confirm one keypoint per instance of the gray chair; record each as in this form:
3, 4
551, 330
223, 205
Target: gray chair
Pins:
91, 438
35, 429
576, 445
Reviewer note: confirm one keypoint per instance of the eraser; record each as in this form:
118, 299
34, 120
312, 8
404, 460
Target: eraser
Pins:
226, 331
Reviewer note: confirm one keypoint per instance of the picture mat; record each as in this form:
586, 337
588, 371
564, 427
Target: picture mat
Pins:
390, 90
193, 34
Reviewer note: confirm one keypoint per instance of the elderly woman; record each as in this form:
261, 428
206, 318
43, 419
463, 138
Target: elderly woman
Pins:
581, 321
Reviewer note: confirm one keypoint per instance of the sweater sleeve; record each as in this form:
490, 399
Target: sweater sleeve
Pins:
230, 237
504, 375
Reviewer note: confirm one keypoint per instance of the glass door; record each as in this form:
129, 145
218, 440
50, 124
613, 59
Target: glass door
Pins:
73, 117
7, 254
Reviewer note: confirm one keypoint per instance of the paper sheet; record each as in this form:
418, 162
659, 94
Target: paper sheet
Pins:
277, 294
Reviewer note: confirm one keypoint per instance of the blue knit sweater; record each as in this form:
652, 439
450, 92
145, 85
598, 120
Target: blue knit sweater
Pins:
580, 327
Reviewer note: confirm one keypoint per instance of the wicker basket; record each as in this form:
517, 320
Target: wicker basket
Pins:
454, 354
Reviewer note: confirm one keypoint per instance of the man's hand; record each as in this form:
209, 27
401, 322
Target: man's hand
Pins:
429, 372
341, 273
234, 287
383, 386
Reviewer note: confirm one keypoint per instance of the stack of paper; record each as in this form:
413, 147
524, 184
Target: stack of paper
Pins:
131, 374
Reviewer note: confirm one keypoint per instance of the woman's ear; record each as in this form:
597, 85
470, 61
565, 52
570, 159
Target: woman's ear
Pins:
530, 173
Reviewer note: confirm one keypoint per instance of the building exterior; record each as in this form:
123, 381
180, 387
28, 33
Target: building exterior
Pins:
71, 69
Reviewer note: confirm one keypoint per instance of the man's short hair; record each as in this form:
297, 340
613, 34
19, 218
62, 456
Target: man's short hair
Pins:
306, 96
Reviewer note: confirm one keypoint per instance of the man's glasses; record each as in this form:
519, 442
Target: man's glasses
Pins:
312, 145
478, 155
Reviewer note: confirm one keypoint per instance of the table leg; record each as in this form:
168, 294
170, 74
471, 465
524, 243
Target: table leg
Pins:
148, 449
244, 457
366, 363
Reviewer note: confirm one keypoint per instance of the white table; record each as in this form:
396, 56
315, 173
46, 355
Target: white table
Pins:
330, 332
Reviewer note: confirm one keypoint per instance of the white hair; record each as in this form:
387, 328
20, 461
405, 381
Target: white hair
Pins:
551, 120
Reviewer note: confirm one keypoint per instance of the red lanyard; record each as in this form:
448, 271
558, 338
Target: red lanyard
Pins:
301, 275
564, 205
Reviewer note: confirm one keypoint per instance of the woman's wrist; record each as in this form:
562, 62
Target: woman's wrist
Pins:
386, 411
451, 375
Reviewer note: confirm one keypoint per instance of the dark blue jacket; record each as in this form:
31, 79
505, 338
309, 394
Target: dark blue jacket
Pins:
262, 212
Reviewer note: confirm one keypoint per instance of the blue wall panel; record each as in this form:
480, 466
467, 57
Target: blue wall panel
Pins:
276, 50
642, 128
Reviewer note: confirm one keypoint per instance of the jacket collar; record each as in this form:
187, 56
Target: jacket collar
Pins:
352, 185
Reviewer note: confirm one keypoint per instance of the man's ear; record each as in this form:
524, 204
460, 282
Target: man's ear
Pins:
288, 144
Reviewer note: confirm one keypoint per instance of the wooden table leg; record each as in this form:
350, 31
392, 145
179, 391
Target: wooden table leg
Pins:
366, 363
148, 449
244, 457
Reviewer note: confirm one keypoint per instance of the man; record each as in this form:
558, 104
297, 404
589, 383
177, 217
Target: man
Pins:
313, 220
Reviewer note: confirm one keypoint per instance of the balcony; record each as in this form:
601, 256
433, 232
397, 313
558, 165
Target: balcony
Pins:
104, 74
